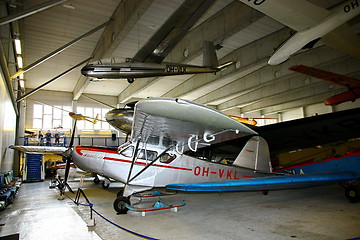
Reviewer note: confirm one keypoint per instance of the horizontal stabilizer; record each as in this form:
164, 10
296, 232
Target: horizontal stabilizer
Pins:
270, 183
225, 65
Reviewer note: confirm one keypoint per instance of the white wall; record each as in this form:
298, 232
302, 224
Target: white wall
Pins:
7, 128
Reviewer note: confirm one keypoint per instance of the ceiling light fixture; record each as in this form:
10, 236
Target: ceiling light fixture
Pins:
19, 61
22, 83
69, 6
17, 46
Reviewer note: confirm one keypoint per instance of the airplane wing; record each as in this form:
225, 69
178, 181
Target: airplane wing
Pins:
185, 124
311, 131
311, 22
39, 149
298, 15
327, 76
271, 183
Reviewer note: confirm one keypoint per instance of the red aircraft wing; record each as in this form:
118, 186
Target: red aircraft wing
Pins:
327, 76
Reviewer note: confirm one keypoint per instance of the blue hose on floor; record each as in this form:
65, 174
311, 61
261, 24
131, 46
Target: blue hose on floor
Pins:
109, 221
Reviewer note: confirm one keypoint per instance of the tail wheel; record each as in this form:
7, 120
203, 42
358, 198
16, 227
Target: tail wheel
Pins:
120, 205
353, 194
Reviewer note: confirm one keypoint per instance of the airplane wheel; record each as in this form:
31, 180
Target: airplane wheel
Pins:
120, 205
353, 194
105, 185
96, 180
130, 80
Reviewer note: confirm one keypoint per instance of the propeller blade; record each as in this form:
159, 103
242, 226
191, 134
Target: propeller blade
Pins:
67, 156
72, 136
67, 168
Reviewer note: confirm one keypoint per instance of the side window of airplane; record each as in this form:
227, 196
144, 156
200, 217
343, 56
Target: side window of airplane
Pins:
147, 155
167, 158
128, 152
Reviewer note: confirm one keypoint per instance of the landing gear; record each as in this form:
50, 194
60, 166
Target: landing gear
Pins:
106, 183
120, 205
130, 80
96, 180
353, 193
120, 193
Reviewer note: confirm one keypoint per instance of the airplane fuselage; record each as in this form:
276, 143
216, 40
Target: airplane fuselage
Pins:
350, 95
181, 169
141, 70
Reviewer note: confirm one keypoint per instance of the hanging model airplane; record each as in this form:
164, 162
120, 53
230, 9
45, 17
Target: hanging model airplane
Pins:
352, 84
184, 146
311, 23
78, 116
131, 70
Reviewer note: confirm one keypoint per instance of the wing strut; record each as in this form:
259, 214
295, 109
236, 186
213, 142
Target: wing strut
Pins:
134, 158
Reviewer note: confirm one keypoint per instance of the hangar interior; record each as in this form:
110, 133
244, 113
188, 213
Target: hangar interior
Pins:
41, 81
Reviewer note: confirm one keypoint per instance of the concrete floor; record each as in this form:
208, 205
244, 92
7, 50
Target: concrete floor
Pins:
316, 213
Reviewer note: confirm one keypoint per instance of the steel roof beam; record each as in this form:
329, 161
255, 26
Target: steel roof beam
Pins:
30, 11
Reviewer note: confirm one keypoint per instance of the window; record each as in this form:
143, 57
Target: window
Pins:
127, 152
142, 154
48, 117
167, 158
147, 155
93, 113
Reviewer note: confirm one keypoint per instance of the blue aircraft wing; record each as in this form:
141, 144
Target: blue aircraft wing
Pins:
271, 183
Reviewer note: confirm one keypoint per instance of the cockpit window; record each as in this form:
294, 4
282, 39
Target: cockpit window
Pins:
127, 152
142, 153
147, 155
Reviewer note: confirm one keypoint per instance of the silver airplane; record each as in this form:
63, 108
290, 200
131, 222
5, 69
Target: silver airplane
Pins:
131, 70
185, 146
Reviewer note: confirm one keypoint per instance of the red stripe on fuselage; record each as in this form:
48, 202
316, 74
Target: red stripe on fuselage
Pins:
97, 150
142, 163
79, 148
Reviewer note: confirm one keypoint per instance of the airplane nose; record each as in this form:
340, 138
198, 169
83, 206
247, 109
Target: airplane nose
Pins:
120, 119
86, 69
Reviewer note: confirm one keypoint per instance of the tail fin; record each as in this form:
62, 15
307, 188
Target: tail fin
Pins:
209, 55
255, 155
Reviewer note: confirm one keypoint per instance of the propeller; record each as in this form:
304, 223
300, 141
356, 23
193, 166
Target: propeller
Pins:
68, 159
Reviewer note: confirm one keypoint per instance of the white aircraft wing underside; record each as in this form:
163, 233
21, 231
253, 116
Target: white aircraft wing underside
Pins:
185, 124
304, 17
343, 39
298, 15
39, 149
